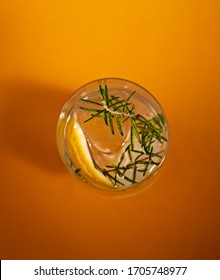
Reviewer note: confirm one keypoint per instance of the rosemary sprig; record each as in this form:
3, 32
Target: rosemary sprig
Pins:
144, 132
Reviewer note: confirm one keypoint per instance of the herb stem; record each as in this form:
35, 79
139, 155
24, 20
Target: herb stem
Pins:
134, 163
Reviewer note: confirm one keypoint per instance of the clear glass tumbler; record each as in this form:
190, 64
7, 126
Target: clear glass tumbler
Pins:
113, 135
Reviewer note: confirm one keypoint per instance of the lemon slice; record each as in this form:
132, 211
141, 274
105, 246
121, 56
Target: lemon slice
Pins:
80, 155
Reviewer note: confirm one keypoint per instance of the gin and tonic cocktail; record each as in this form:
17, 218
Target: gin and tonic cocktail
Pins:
113, 134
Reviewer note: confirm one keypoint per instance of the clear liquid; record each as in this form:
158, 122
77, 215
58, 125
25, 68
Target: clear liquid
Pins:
106, 148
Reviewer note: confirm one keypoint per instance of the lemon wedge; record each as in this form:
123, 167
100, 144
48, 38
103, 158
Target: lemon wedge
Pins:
79, 153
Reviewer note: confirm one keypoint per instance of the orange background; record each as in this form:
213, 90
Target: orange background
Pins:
51, 48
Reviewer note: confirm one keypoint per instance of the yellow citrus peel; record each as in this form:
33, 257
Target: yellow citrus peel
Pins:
79, 153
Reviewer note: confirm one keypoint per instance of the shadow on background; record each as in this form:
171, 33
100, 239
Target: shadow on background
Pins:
29, 122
